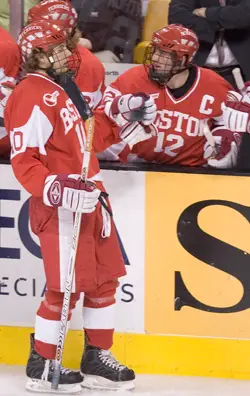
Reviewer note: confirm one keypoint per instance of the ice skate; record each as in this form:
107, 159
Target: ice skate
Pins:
102, 371
40, 372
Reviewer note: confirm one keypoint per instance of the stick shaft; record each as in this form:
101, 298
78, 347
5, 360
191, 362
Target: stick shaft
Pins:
89, 125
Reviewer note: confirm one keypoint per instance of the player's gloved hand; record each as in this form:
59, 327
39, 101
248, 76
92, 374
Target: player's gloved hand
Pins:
6, 89
71, 192
236, 111
227, 147
134, 132
132, 107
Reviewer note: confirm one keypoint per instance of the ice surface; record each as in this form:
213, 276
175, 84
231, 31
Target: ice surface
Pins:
12, 383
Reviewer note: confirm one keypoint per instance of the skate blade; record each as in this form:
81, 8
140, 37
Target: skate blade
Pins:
100, 383
39, 386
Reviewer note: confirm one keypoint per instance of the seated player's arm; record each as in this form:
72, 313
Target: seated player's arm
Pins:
128, 117
108, 133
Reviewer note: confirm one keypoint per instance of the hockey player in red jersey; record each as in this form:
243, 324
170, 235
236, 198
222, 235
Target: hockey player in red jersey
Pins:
47, 140
187, 98
91, 76
9, 69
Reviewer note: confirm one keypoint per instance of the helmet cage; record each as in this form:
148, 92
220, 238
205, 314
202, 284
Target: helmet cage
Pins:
71, 62
162, 64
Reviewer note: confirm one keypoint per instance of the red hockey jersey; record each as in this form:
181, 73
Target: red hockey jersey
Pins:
9, 69
180, 122
91, 77
47, 133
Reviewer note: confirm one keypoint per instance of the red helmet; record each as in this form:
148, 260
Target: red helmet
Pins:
44, 35
59, 12
170, 52
177, 38
40, 34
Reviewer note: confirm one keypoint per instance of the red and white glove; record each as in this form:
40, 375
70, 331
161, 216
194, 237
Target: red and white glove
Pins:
6, 89
133, 133
236, 111
70, 192
132, 107
227, 147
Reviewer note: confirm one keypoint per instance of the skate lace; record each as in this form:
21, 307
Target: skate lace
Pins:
49, 366
108, 359
65, 370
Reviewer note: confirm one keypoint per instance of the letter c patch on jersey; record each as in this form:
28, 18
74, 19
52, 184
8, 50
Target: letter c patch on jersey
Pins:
51, 99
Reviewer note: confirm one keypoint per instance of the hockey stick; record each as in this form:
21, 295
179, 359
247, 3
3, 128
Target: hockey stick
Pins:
243, 162
239, 80
209, 136
76, 97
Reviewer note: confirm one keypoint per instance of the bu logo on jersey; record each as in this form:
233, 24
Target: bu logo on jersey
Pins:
69, 115
72, 119
51, 99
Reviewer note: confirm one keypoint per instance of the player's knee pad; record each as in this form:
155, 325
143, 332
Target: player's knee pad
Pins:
54, 300
102, 296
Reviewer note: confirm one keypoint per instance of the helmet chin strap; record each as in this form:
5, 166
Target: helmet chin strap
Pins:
51, 59
50, 71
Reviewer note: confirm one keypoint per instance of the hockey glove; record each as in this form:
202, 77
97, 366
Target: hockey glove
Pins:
227, 145
70, 192
132, 107
133, 133
236, 111
6, 89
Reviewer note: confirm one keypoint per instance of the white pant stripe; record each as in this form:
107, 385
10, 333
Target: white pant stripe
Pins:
99, 318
